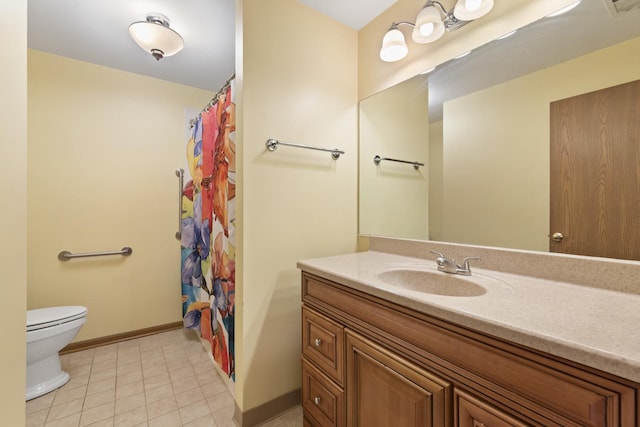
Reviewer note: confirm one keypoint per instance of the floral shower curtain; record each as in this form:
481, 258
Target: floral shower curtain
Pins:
208, 228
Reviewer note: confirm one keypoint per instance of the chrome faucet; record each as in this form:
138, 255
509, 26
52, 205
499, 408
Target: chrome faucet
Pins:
449, 265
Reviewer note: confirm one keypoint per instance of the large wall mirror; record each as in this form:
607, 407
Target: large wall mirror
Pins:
486, 146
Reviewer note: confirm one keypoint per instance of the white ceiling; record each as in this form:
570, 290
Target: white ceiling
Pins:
353, 13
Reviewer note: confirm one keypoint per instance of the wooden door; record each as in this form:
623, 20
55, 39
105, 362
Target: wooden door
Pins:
595, 173
385, 390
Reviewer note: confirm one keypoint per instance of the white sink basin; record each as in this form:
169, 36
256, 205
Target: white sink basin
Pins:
432, 282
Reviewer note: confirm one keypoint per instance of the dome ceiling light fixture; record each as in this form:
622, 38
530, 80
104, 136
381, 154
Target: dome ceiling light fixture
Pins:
155, 36
431, 23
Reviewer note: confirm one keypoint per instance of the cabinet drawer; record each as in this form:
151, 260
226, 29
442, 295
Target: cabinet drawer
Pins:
321, 398
323, 343
472, 412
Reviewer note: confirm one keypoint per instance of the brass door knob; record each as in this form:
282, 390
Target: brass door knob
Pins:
557, 237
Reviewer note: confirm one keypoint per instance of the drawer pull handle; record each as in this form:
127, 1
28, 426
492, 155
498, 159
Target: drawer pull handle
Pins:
317, 342
317, 400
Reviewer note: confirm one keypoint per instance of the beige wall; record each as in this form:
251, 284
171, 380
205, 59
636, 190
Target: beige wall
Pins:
393, 198
103, 148
13, 193
501, 174
375, 75
298, 75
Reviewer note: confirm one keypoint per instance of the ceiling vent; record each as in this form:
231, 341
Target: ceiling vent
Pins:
620, 7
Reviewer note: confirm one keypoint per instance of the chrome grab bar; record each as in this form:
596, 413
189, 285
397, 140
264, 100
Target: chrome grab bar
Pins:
272, 145
66, 255
378, 159
180, 175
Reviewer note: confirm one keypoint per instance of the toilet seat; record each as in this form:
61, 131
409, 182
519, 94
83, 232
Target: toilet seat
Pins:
47, 317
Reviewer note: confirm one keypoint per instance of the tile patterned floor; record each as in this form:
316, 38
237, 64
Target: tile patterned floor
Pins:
162, 380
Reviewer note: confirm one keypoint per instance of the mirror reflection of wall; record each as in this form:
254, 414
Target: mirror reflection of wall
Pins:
394, 196
435, 181
496, 178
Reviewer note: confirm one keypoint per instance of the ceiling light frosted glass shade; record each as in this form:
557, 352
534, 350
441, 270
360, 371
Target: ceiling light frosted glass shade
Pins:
429, 26
394, 47
468, 10
155, 36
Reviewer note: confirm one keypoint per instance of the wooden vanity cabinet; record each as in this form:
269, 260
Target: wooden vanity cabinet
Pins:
369, 362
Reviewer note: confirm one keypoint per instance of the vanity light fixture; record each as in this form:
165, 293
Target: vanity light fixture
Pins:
155, 36
431, 22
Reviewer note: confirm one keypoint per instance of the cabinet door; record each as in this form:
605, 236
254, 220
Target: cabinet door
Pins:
472, 412
384, 389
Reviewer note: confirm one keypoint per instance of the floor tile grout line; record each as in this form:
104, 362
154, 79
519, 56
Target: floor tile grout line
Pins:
169, 349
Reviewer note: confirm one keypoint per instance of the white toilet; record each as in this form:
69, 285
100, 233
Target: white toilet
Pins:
48, 331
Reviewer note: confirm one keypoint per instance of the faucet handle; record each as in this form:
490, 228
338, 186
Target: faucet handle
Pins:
438, 253
465, 262
441, 258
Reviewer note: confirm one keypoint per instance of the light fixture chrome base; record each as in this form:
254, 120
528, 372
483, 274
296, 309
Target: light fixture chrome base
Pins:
157, 53
451, 23
157, 18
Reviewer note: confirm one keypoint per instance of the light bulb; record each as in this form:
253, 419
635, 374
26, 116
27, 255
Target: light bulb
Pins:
429, 26
468, 10
472, 4
426, 29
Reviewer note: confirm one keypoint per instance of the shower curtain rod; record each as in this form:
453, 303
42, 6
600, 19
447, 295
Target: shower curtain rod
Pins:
213, 100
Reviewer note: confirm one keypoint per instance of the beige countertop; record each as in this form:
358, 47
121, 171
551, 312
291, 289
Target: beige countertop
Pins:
599, 328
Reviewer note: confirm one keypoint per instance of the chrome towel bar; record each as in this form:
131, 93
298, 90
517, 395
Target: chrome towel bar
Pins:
272, 145
180, 175
66, 255
378, 159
